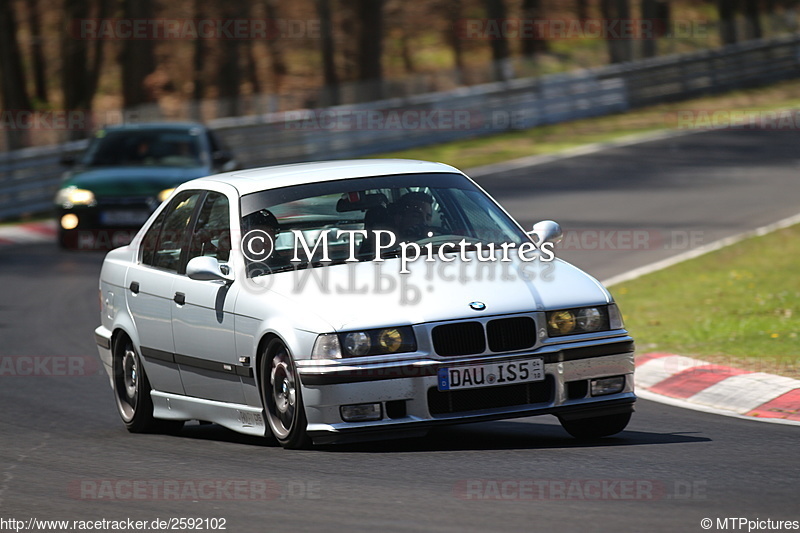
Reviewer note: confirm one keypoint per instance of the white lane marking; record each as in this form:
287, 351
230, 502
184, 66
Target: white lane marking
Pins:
701, 250
584, 149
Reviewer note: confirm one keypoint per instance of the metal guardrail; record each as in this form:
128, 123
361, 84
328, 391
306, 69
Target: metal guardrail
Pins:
30, 177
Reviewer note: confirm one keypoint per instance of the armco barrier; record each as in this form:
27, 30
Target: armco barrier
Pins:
30, 177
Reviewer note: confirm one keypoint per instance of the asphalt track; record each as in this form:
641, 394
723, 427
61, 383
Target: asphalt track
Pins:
65, 455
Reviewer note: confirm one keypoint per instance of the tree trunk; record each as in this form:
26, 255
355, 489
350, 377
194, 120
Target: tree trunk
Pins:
619, 47
328, 52
582, 9
137, 57
727, 21
453, 15
275, 46
229, 71
752, 15
501, 55
93, 70
198, 67
370, 49
75, 56
650, 18
37, 56
625, 44
12, 75
532, 11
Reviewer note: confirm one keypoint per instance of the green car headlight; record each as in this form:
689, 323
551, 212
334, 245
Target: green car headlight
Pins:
71, 196
381, 341
575, 321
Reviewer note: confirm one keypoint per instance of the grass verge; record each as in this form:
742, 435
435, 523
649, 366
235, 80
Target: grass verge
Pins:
549, 139
736, 306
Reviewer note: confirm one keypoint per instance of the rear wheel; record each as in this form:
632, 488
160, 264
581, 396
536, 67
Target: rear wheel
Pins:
280, 392
132, 392
594, 428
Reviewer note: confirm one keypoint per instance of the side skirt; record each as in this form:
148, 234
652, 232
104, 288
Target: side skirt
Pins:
240, 418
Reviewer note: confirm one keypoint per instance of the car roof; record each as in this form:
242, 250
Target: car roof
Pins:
260, 179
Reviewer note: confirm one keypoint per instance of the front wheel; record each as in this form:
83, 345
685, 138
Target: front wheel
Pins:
594, 428
132, 392
280, 392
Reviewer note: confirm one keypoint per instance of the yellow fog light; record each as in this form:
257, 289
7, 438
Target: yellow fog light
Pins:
391, 340
69, 221
163, 195
561, 322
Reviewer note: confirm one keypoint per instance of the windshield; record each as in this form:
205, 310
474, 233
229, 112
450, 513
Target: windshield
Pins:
427, 209
169, 147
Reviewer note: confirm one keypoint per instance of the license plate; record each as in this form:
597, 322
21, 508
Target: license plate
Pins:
490, 374
122, 217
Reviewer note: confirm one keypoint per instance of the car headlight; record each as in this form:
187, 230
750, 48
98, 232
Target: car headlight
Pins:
163, 195
382, 341
575, 321
326, 347
70, 196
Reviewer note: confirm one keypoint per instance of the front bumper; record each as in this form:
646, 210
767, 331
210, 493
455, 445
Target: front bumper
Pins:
411, 403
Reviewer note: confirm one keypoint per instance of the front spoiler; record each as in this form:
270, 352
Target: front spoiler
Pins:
420, 429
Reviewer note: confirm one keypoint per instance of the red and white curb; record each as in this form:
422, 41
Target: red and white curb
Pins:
31, 232
702, 386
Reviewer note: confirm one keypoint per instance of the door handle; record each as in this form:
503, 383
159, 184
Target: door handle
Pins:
180, 298
134, 287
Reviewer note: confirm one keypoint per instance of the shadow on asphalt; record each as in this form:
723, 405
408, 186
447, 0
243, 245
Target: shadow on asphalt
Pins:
503, 435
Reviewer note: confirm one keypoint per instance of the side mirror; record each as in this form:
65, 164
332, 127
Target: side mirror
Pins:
206, 268
545, 231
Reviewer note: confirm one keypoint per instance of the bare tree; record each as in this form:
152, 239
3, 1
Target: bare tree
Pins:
650, 17
12, 75
501, 54
532, 11
198, 65
452, 14
275, 45
582, 9
37, 54
752, 17
619, 46
370, 46
727, 21
137, 56
229, 71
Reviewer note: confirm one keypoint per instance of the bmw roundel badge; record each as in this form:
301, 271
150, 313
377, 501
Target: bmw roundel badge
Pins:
477, 306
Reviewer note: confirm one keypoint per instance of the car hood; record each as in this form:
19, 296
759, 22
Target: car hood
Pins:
365, 295
132, 181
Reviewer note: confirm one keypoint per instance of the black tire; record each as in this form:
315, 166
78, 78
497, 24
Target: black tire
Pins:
132, 392
280, 392
594, 428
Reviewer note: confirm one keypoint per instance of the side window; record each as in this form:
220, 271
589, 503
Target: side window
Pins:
212, 233
177, 216
150, 241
